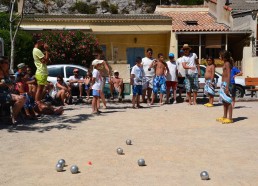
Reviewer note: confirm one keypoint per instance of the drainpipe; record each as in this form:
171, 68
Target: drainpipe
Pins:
226, 44
200, 48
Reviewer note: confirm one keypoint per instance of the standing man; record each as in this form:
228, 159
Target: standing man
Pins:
171, 77
149, 75
40, 61
191, 65
181, 73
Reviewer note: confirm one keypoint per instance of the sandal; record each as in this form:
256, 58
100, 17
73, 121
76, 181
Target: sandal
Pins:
227, 121
220, 119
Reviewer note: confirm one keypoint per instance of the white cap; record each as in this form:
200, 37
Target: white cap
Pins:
115, 71
97, 61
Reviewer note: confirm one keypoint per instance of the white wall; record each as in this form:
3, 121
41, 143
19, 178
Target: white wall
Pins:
250, 64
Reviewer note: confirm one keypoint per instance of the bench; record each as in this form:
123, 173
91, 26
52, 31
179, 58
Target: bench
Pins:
252, 82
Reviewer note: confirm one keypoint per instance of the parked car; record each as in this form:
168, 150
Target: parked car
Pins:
240, 81
65, 70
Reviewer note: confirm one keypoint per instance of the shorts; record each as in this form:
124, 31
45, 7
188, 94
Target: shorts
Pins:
209, 88
159, 84
191, 82
29, 103
232, 89
147, 82
41, 79
96, 93
222, 95
172, 84
181, 82
137, 90
87, 87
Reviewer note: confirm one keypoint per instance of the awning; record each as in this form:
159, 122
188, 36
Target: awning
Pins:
54, 27
213, 41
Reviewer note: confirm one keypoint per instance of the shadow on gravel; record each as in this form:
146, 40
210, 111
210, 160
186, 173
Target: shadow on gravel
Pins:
239, 107
240, 119
47, 123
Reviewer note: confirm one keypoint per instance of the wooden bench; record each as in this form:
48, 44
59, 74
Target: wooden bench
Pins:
252, 82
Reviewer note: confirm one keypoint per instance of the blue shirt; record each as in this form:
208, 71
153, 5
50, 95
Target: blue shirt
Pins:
234, 71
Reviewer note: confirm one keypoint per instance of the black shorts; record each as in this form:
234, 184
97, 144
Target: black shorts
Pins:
232, 89
181, 82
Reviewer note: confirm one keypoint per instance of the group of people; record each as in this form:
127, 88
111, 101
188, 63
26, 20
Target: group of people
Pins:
148, 78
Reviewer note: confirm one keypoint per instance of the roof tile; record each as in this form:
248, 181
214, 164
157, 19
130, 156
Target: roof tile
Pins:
206, 22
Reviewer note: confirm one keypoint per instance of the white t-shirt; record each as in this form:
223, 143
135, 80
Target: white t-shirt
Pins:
190, 62
172, 75
98, 80
181, 70
138, 73
74, 78
146, 62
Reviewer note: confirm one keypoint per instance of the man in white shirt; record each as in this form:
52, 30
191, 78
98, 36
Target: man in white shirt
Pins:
171, 77
181, 73
191, 65
76, 81
149, 75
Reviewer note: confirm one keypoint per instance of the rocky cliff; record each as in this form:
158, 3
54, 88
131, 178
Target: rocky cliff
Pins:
85, 6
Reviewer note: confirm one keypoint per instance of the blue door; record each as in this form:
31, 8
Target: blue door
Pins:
132, 53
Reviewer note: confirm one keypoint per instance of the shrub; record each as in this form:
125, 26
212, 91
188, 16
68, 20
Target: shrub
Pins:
113, 9
83, 8
71, 46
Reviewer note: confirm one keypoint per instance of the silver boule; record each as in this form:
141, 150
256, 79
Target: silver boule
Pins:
119, 151
128, 142
74, 169
62, 162
204, 175
59, 167
141, 162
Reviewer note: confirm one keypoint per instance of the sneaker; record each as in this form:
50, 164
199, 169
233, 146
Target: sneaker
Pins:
220, 119
227, 121
174, 102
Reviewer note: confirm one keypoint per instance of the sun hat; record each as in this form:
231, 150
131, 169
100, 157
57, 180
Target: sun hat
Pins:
171, 55
21, 65
186, 46
96, 61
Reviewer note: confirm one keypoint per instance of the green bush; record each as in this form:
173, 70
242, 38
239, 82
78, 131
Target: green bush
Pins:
4, 23
113, 9
83, 8
104, 5
71, 46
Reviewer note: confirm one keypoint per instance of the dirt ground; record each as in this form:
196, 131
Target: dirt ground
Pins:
176, 141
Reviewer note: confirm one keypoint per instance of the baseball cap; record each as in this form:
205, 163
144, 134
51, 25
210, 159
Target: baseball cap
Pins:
21, 65
115, 71
181, 51
171, 55
96, 61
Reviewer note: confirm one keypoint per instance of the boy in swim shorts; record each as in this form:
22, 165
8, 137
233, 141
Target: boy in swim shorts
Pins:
209, 88
224, 90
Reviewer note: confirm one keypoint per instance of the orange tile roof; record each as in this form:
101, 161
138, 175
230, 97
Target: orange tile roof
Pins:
206, 22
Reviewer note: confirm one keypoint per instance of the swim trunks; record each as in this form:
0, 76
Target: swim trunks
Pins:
209, 88
222, 95
159, 84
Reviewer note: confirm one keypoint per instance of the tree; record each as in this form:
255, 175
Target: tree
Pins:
71, 46
14, 28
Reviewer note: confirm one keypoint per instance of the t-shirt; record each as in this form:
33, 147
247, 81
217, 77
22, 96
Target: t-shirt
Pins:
98, 80
75, 78
172, 75
138, 73
181, 70
146, 62
234, 71
190, 61
37, 56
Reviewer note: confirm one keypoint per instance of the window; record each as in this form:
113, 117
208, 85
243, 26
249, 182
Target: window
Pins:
56, 71
69, 72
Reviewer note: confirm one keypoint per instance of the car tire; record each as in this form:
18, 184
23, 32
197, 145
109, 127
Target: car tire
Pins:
239, 91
